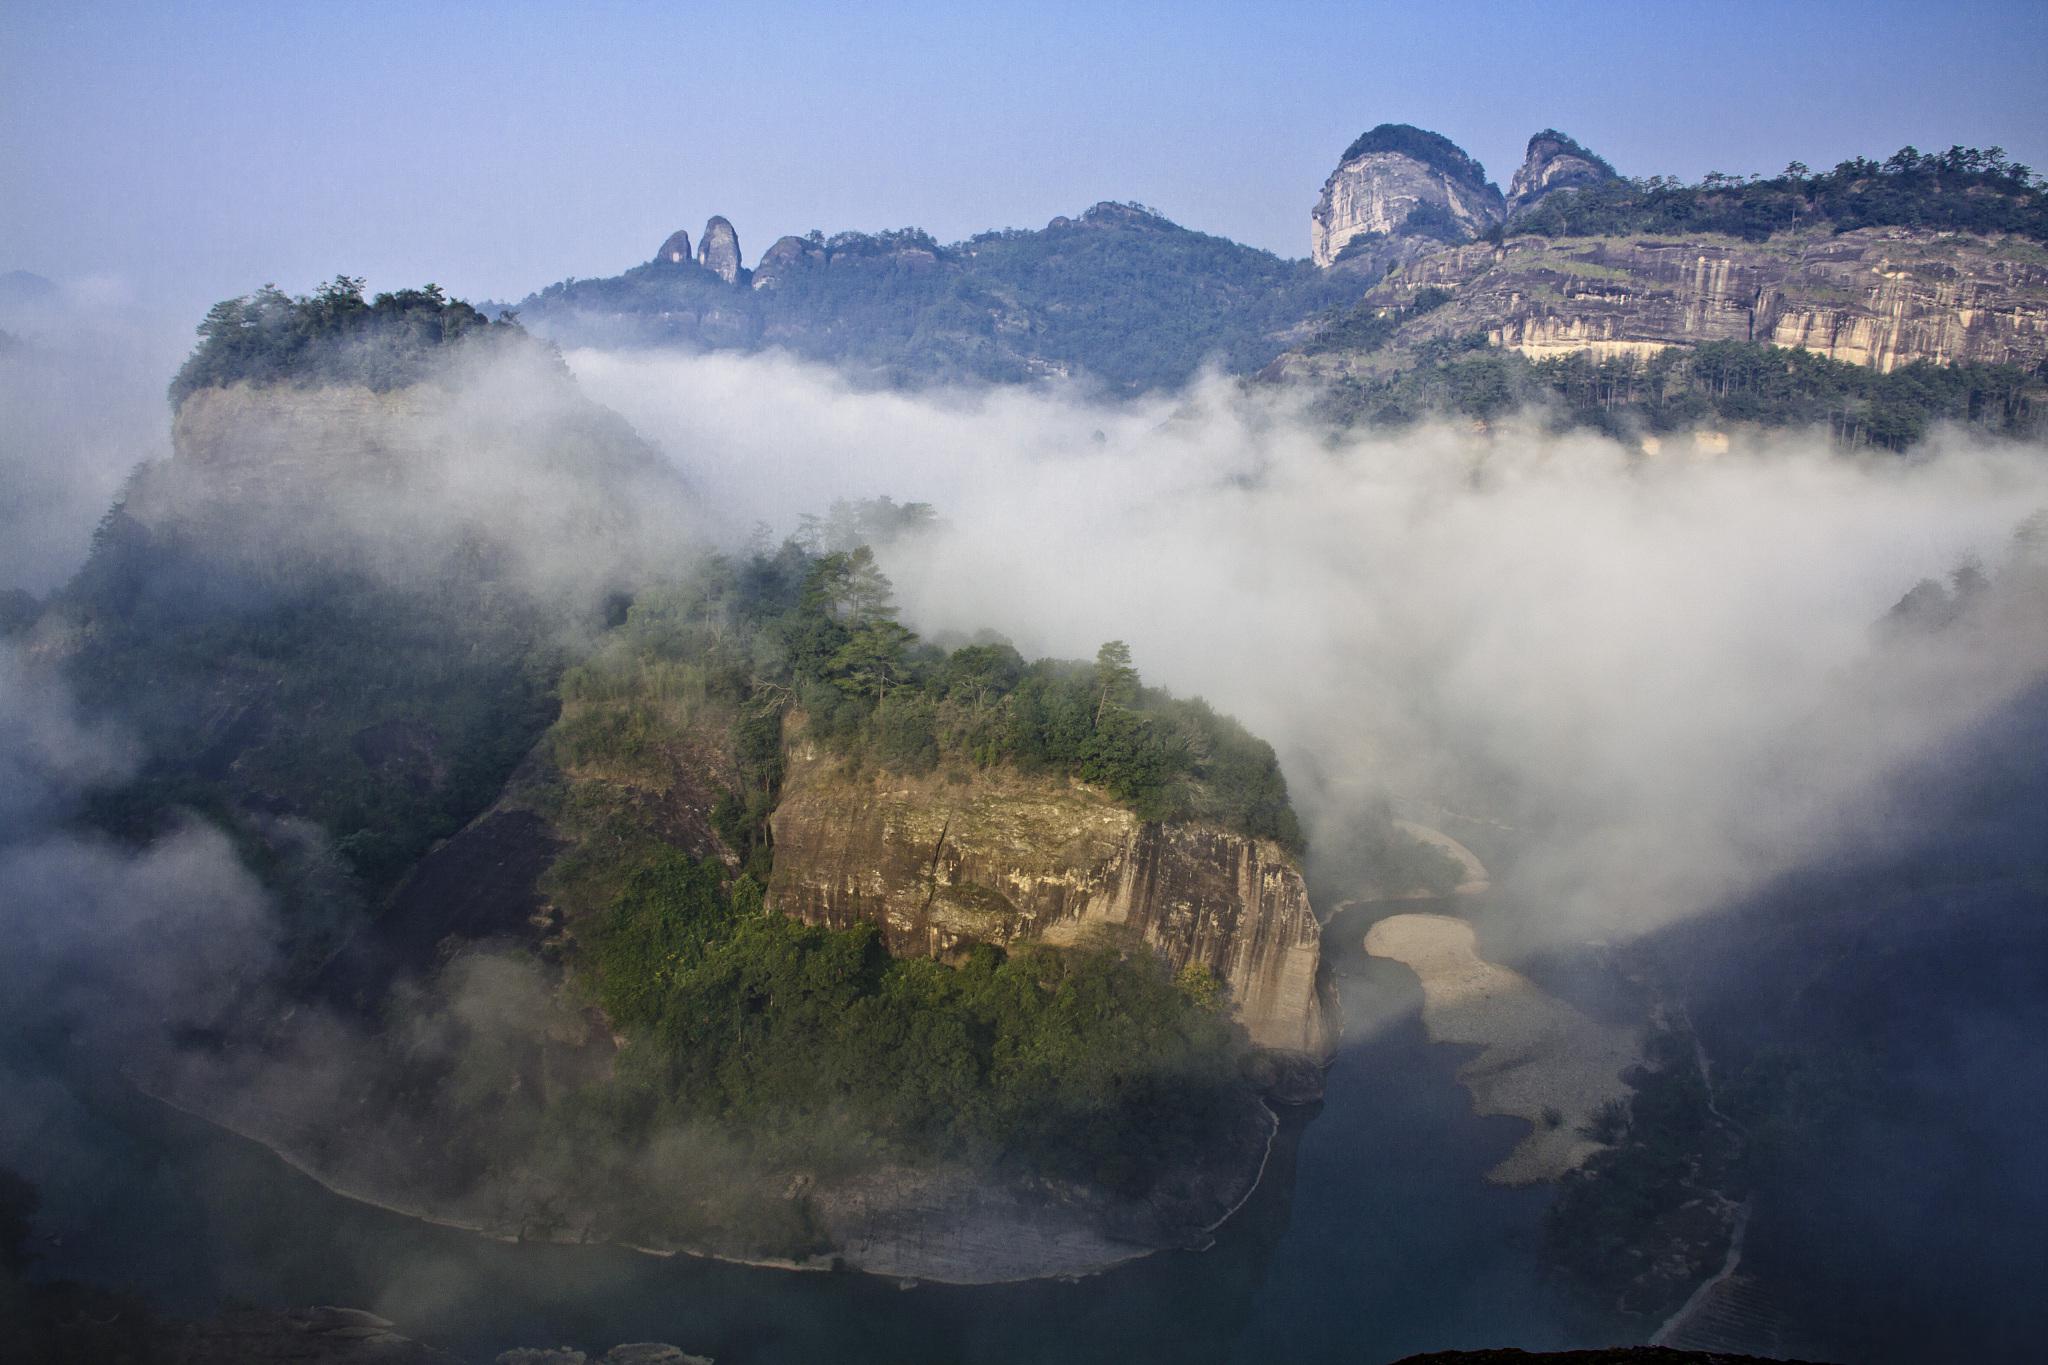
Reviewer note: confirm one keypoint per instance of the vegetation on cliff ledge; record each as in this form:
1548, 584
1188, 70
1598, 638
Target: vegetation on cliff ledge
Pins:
1679, 389
815, 1045
1962, 189
816, 630
332, 336
1432, 149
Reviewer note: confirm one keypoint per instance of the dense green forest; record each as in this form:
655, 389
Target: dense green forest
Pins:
816, 630
280, 686
1962, 189
1682, 387
332, 336
1093, 1063
815, 1046
1120, 296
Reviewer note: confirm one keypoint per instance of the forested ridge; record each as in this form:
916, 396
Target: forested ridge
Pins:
1963, 189
1678, 389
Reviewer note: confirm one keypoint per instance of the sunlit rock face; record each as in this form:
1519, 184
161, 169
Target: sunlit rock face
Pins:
941, 864
1396, 185
676, 250
1553, 162
1881, 297
718, 250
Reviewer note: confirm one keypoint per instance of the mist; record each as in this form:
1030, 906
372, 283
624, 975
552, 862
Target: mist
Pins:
81, 404
1666, 669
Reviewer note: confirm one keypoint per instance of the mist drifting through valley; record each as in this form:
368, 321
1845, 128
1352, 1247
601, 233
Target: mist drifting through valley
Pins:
1665, 678
1668, 666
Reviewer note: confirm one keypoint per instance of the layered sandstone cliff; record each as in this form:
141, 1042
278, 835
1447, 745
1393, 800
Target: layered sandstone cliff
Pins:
1881, 297
1400, 184
941, 864
1553, 163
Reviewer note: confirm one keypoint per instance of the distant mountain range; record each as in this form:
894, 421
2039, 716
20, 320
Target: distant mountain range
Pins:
1416, 260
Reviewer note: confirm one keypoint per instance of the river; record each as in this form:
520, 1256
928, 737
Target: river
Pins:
1373, 1236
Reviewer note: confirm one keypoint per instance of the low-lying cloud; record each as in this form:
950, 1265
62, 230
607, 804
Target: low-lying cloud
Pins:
1667, 665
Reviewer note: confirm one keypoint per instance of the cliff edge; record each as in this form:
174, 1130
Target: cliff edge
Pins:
941, 864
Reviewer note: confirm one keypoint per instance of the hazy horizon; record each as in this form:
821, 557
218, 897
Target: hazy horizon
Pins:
162, 161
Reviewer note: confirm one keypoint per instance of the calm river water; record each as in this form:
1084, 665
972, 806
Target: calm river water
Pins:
1372, 1237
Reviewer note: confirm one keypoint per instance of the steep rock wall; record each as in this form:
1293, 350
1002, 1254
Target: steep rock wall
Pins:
1374, 193
1551, 164
1882, 297
942, 864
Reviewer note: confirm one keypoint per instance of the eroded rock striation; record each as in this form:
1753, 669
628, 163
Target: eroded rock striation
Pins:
1881, 297
1554, 162
943, 864
718, 250
1395, 189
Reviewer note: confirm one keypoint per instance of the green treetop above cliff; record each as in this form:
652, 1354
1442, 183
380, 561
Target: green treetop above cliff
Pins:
332, 336
1431, 149
1962, 189
816, 630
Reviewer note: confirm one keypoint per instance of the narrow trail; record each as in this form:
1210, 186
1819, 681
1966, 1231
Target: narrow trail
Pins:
1677, 1321
1729, 1311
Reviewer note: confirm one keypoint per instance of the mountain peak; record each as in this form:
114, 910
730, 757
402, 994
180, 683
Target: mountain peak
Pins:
1554, 162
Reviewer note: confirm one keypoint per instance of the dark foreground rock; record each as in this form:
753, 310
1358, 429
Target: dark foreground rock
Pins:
1607, 1355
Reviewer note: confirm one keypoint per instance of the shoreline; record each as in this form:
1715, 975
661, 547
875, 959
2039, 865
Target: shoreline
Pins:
1540, 1060
835, 1262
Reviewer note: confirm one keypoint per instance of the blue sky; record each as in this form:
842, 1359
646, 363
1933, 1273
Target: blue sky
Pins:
190, 151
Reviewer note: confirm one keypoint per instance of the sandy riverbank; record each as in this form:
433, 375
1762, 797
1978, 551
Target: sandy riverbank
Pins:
1541, 1060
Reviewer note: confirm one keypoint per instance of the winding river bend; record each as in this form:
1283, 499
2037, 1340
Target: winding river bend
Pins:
1374, 1235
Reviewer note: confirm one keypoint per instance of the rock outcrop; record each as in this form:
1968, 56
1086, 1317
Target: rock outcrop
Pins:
789, 256
676, 250
1882, 297
1553, 162
1398, 187
718, 250
944, 864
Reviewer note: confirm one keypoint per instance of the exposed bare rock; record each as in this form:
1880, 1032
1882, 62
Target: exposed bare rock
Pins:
1398, 186
943, 864
1553, 162
718, 250
1882, 297
789, 256
676, 250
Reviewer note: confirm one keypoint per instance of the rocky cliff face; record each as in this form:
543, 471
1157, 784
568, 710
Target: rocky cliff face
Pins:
1379, 192
718, 250
1882, 297
676, 250
788, 256
941, 865
1553, 162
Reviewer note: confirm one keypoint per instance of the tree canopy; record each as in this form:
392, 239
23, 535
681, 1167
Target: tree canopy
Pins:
331, 336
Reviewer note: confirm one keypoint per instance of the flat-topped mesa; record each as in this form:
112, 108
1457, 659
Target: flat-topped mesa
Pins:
1395, 190
940, 865
676, 250
718, 250
1554, 162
